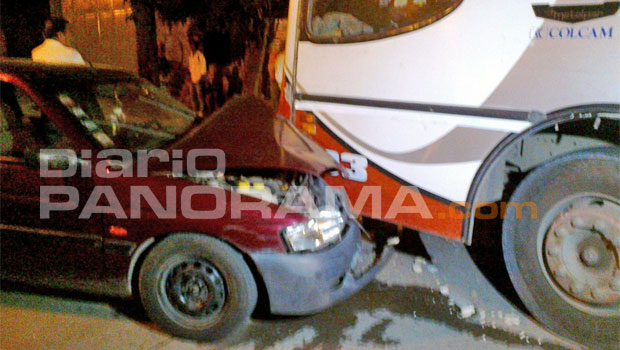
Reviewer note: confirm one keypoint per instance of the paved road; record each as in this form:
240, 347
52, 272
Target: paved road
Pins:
413, 304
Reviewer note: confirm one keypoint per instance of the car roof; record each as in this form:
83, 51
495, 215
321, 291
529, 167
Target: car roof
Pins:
30, 70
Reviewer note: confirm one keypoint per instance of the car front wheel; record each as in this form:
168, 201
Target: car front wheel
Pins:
197, 287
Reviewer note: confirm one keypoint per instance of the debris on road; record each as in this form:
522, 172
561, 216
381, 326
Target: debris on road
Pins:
467, 311
393, 241
418, 263
420, 260
444, 290
417, 268
512, 320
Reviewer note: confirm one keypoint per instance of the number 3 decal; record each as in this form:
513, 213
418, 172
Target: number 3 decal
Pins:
357, 165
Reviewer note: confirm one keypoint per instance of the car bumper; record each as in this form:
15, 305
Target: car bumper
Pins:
303, 283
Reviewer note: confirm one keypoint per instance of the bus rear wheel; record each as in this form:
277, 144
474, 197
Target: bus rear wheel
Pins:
563, 256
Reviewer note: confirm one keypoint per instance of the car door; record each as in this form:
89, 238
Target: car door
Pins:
61, 250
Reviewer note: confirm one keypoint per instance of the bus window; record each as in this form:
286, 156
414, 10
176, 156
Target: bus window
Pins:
360, 20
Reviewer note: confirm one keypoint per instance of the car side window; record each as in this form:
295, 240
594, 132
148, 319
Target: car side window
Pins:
23, 127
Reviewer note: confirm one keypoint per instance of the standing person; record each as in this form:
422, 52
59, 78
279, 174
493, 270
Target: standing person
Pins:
55, 49
47, 29
198, 74
235, 84
217, 85
273, 66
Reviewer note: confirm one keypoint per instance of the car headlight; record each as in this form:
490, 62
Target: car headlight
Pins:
317, 232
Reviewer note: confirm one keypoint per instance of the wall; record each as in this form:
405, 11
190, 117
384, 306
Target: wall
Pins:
102, 31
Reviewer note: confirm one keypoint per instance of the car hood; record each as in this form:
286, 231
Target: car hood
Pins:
252, 136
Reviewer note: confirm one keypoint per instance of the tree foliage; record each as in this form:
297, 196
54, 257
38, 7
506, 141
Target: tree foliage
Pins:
219, 15
235, 22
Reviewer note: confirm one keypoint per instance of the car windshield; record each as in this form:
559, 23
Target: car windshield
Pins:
131, 115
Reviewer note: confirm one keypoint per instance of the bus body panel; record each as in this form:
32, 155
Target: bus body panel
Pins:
485, 53
412, 109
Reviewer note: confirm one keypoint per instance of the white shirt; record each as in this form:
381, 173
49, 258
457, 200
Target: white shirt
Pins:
53, 51
279, 74
197, 66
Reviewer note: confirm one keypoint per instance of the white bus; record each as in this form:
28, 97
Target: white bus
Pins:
449, 112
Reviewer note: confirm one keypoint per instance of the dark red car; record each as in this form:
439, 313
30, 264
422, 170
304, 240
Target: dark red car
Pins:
109, 186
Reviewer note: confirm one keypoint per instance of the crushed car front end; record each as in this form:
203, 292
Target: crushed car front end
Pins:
329, 257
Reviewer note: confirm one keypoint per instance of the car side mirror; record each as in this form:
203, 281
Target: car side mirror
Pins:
60, 160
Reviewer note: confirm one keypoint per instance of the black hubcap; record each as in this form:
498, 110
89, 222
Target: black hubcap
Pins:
195, 288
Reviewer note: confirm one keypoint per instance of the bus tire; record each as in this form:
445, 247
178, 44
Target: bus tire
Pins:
562, 257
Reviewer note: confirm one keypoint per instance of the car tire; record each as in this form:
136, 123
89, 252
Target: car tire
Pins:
197, 287
557, 276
